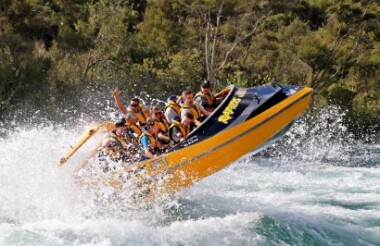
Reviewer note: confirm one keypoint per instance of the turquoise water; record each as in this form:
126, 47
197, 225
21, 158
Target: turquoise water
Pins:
318, 187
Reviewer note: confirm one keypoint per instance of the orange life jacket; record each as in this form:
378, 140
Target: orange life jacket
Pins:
172, 105
209, 99
141, 115
164, 125
184, 131
135, 128
193, 109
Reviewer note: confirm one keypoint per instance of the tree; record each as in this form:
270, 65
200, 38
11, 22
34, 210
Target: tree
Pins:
224, 26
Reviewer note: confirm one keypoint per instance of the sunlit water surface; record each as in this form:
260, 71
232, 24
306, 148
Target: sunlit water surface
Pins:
318, 186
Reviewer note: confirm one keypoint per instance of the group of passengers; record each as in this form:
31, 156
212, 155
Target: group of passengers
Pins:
141, 133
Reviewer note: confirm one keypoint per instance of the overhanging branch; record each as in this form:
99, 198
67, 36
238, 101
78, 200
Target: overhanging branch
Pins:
239, 40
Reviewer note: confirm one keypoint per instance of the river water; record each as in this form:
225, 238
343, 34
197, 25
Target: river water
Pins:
319, 186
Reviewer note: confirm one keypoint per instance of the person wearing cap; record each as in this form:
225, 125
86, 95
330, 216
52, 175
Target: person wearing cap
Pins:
189, 105
125, 142
179, 129
172, 108
135, 107
120, 134
147, 140
204, 97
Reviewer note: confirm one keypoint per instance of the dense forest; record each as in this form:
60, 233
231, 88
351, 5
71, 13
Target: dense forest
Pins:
52, 50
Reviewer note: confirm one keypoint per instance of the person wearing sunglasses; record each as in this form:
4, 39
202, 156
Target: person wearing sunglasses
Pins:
141, 112
204, 97
135, 106
157, 114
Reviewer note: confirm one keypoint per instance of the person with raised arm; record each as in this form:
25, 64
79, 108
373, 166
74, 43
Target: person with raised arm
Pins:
135, 106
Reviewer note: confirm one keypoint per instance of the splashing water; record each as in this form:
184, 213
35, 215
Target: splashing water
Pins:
317, 186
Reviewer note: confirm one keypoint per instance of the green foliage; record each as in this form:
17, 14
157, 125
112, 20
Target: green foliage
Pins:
315, 50
340, 95
49, 49
242, 80
277, 21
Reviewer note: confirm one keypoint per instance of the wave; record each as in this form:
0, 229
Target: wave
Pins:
318, 185
325, 138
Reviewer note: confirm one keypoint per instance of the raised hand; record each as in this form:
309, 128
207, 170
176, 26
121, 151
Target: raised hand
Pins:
117, 93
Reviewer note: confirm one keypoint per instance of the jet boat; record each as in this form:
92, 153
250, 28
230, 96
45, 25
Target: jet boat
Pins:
246, 120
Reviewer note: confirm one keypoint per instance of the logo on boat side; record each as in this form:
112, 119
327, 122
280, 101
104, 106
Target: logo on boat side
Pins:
191, 140
229, 111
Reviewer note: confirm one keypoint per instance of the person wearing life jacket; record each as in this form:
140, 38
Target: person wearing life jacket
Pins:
172, 108
127, 149
189, 105
180, 128
141, 112
111, 148
132, 129
163, 134
147, 140
156, 113
120, 134
204, 97
135, 106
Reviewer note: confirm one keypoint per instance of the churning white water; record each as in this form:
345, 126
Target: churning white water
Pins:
318, 186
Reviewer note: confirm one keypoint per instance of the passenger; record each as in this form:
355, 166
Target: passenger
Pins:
205, 97
141, 112
194, 108
112, 149
162, 135
148, 140
120, 134
135, 106
172, 108
179, 129
128, 150
133, 130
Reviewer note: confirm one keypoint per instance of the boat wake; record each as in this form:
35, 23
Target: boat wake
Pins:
325, 139
318, 186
